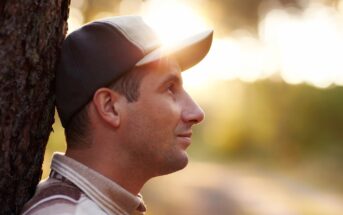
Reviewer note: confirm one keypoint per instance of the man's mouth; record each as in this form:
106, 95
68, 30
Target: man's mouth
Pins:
185, 139
187, 134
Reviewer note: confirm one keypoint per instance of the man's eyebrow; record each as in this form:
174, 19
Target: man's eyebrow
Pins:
172, 78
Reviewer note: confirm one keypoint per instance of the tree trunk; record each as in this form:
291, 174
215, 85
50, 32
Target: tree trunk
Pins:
31, 33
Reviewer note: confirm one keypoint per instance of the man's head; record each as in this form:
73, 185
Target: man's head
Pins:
115, 80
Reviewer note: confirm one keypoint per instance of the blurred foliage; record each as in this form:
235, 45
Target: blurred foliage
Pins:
92, 7
286, 127
225, 16
274, 120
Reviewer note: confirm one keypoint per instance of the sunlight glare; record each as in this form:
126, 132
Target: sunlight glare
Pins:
130, 7
173, 20
230, 58
75, 20
309, 45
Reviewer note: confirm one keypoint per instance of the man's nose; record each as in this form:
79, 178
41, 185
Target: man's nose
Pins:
192, 112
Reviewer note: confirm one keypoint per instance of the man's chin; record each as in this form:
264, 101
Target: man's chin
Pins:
176, 164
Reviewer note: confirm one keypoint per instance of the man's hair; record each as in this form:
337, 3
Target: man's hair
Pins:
77, 132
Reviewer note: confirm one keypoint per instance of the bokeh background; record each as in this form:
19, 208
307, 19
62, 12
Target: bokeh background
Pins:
271, 87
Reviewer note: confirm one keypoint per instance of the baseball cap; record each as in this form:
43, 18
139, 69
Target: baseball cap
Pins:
102, 51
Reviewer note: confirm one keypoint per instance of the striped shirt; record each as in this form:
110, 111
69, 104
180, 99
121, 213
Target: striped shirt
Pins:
73, 188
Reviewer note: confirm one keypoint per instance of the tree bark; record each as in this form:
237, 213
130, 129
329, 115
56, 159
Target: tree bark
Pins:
31, 33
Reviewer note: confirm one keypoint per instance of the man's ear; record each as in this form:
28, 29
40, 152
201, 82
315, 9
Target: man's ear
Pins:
107, 105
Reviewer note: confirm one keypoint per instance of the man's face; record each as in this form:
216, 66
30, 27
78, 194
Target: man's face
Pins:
158, 126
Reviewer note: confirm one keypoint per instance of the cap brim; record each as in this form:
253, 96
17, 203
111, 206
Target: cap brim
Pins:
188, 52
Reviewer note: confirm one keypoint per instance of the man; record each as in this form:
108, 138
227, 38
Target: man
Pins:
126, 116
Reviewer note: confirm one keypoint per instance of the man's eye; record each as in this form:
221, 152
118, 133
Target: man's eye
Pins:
170, 88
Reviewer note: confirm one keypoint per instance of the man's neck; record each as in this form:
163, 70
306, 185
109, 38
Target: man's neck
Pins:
127, 176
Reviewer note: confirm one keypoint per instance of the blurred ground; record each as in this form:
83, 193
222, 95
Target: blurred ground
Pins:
237, 189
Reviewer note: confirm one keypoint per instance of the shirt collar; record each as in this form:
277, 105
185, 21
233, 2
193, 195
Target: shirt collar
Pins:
108, 195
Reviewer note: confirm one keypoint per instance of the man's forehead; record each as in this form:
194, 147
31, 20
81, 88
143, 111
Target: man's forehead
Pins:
163, 65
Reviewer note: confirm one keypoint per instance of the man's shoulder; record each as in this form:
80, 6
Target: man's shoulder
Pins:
56, 197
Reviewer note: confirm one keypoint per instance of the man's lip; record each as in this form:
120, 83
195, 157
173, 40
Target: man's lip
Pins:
185, 139
189, 134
